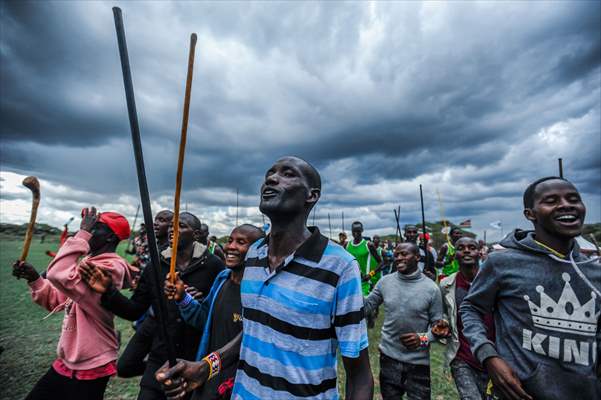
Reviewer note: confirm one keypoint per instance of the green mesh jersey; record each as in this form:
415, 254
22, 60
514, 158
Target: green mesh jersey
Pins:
361, 253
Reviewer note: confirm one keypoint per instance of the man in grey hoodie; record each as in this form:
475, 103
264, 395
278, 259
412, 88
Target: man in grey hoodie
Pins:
546, 300
413, 309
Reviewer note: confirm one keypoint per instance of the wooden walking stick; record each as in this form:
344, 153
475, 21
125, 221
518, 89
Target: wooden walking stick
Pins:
180, 159
31, 183
143, 185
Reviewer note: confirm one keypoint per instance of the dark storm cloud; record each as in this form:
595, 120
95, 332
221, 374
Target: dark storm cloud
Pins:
375, 95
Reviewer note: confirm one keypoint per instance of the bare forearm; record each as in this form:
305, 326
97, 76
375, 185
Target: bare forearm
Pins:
230, 353
359, 380
360, 389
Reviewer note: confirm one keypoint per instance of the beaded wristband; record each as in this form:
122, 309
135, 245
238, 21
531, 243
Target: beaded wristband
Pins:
423, 341
185, 301
214, 362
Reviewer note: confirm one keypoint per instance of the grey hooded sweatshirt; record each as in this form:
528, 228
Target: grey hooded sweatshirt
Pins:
546, 313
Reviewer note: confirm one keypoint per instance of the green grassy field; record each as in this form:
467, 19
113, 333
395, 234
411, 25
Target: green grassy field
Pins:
29, 341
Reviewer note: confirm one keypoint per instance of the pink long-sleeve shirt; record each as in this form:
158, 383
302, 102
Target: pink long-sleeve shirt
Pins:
88, 339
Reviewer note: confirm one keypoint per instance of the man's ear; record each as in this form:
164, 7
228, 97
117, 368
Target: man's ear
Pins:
314, 195
530, 215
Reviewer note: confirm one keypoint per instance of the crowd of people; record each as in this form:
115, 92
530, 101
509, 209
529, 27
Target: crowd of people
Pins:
265, 316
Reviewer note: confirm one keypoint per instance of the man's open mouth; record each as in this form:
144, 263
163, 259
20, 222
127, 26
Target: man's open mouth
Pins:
269, 193
232, 257
568, 219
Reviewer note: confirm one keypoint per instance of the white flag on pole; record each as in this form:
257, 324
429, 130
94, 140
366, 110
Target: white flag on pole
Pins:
497, 224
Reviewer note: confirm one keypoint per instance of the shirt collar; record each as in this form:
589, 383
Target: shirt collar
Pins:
312, 249
198, 251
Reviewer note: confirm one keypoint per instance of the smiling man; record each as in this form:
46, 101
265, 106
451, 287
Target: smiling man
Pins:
302, 302
412, 307
219, 315
546, 300
469, 375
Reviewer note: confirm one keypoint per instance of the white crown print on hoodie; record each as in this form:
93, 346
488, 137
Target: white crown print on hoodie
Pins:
567, 314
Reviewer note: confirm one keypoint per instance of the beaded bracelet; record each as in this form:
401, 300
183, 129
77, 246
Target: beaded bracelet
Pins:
423, 341
214, 362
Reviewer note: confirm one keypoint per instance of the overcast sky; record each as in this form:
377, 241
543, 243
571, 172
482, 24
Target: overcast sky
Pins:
473, 100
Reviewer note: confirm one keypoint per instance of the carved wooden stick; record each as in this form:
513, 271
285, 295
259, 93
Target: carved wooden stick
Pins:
31, 183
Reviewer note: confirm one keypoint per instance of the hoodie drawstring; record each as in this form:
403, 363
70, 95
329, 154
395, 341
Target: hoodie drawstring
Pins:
60, 307
574, 265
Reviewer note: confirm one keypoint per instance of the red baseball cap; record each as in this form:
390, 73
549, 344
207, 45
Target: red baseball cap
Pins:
117, 222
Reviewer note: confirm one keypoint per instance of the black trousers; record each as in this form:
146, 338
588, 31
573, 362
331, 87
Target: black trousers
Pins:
53, 386
131, 363
398, 378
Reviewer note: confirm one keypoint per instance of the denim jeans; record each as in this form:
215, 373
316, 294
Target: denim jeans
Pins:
398, 378
471, 383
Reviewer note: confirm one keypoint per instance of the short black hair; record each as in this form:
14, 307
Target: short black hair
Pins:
467, 238
410, 227
255, 232
168, 212
195, 222
531, 189
357, 223
413, 246
312, 175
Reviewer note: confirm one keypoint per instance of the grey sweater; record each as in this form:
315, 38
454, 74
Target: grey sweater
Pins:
412, 303
545, 313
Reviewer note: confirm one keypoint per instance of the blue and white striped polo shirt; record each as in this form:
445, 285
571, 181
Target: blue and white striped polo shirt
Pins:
296, 318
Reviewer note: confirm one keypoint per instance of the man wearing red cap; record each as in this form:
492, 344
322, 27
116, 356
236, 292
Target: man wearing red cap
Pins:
198, 268
88, 345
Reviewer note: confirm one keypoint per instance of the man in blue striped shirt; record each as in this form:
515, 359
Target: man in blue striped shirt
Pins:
301, 300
